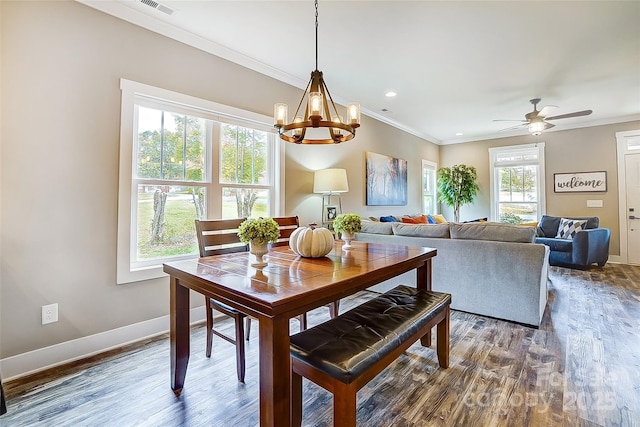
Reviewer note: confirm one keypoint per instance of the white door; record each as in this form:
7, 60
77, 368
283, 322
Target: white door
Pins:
632, 175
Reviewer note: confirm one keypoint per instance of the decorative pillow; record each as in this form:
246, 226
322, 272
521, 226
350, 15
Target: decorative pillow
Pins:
374, 218
430, 219
422, 219
570, 227
440, 219
388, 219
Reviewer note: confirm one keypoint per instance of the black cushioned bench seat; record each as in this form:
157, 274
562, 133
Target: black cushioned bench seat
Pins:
346, 352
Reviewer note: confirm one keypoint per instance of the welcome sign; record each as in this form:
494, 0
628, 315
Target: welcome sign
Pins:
580, 182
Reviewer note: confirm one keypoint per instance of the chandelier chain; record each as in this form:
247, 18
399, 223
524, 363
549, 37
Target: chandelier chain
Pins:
316, 34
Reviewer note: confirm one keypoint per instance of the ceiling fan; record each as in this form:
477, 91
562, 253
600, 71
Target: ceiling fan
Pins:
536, 120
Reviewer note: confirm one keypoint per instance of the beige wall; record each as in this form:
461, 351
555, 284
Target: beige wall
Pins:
373, 136
578, 150
61, 65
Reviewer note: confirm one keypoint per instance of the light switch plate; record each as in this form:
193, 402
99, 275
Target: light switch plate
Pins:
594, 203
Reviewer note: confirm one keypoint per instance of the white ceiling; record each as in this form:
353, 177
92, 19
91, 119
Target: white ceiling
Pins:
456, 66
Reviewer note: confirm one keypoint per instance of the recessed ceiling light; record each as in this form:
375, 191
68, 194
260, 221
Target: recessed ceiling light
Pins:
459, 134
390, 94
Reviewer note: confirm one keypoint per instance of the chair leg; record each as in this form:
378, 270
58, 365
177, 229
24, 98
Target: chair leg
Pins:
334, 309
248, 327
296, 400
344, 406
209, 326
240, 353
442, 345
303, 321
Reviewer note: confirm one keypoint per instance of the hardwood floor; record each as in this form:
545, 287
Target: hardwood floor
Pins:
581, 368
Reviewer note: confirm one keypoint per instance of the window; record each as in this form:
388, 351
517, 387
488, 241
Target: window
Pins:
183, 158
429, 187
517, 183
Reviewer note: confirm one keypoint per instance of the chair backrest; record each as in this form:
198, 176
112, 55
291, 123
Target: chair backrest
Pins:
287, 225
219, 236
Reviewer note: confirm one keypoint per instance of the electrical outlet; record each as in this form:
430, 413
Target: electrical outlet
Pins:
49, 313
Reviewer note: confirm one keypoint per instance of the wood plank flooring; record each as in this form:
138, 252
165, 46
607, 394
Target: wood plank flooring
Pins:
580, 368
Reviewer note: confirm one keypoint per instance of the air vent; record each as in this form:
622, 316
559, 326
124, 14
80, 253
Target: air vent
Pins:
158, 6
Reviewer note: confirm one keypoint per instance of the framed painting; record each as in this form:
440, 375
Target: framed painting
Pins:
580, 182
386, 180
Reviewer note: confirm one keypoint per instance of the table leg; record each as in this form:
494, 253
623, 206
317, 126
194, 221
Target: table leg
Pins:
275, 372
423, 281
179, 333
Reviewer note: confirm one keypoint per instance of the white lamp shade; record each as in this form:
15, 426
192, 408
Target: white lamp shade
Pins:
330, 181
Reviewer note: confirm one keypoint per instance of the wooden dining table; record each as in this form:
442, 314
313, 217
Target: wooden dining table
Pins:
288, 286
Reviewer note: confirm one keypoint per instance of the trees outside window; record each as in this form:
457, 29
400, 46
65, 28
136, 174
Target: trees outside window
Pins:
517, 183
182, 159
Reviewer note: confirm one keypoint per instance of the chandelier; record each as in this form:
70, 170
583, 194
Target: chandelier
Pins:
321, 123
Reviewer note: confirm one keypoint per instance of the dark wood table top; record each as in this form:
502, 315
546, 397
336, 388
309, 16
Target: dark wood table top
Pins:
289, 280
289, 285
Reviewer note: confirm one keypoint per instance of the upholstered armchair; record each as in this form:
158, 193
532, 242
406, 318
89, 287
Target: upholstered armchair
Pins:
586, 247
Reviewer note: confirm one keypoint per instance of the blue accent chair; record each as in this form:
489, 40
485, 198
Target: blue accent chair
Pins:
587, 247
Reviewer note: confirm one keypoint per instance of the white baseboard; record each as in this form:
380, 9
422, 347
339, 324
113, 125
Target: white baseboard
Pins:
58, 354
616, 259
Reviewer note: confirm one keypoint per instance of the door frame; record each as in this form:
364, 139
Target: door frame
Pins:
623, 150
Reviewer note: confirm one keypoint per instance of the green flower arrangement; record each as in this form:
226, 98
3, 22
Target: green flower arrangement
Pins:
347, 223
263, 230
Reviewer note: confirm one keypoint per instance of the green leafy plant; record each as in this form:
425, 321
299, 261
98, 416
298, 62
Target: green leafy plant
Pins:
262, 230
349, 223
457, 186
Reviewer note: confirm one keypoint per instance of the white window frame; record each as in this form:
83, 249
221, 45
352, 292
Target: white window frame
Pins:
431, 166
494, 152
131, 92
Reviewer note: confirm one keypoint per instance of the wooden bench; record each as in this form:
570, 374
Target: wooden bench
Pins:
345, 353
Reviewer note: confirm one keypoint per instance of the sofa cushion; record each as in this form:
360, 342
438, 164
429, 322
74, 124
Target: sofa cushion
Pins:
375, 227
556, 245
548, 226
569, 227
421, 230
492, 231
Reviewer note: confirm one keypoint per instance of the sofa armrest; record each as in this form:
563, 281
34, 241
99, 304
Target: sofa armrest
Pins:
591, 245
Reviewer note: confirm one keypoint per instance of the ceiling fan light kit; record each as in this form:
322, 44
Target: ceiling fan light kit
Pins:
536, 122
320, 113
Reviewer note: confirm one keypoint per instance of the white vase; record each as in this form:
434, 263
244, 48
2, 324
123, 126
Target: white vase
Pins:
259, 249
347, 237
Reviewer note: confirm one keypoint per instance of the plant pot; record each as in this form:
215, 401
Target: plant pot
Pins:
258, 249
347, 237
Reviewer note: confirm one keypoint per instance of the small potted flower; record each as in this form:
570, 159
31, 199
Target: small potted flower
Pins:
348, 225
259, 232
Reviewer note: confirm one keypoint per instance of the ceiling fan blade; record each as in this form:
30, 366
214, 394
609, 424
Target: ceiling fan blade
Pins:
522, 125
568, 115
508, 120
548, 125
546, 110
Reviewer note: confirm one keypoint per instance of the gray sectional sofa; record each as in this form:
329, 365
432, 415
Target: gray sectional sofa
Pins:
489, 269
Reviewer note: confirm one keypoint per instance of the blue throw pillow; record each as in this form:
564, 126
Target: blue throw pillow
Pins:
430, 219
387, 219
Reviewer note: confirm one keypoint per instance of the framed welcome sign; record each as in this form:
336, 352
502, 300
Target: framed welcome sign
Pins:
580, 182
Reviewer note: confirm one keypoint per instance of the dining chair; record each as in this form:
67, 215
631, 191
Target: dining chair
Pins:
218, 237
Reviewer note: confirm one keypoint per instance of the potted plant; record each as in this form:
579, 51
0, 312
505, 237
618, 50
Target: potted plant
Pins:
259, 232
348, 225
457, 186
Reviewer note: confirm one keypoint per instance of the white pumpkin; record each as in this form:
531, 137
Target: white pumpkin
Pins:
311, 242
